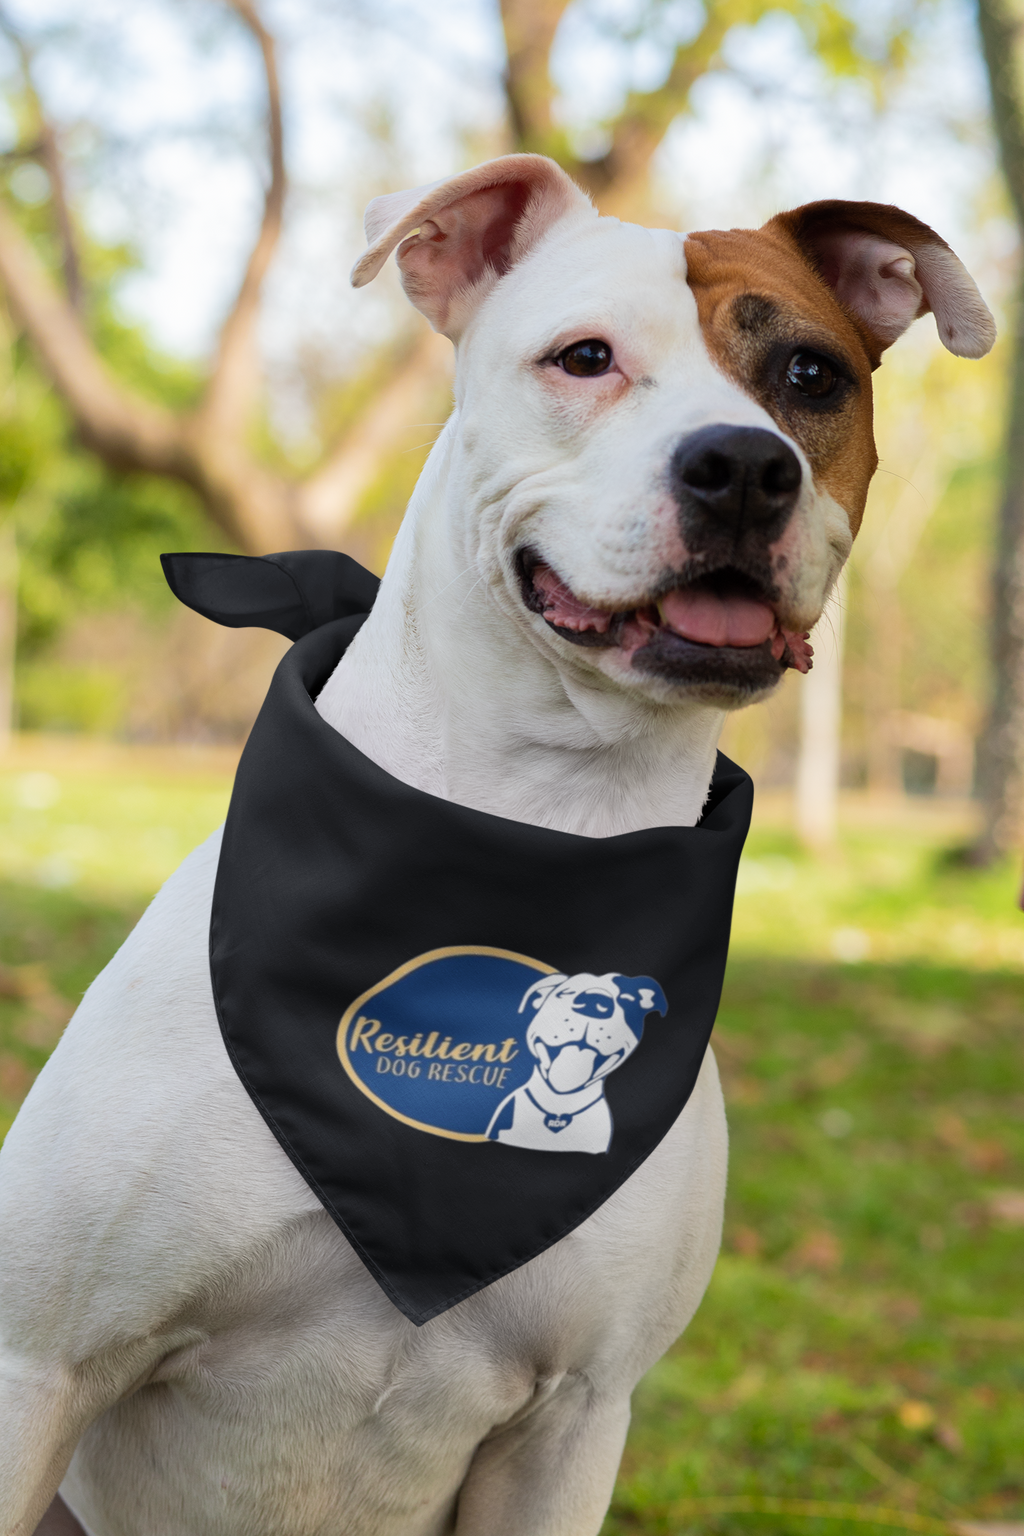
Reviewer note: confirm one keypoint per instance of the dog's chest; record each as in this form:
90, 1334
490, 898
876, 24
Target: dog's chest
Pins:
298, 1377
307, 1392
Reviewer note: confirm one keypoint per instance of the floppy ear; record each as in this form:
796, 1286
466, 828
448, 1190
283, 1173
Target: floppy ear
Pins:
639, 996
460, 235
888, 268
538, 994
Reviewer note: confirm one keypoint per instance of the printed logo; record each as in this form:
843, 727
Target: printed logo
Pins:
482, 1044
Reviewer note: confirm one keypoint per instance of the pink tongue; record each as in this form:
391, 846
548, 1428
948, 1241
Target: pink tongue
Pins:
713, 620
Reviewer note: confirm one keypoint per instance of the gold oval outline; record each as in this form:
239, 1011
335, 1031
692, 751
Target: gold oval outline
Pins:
404, 970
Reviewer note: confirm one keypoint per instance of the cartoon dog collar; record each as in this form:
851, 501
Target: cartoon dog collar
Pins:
461, 1064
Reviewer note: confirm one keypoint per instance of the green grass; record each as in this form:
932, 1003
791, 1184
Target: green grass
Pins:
866, 1266
862, 1342
87, 835
51, 946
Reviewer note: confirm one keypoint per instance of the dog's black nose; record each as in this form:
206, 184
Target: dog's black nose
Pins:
741, 477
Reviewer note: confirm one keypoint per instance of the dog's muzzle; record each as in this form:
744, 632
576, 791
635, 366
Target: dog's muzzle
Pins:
714, 626
734, 486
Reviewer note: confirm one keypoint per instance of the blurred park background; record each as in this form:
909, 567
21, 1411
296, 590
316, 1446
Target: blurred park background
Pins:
183, 366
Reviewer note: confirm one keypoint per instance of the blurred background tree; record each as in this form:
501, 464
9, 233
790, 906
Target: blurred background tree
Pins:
617, 176
1001, 746
207, 443
292, 427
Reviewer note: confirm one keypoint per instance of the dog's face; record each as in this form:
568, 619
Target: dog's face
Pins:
668, 491
585, 1026
664, 443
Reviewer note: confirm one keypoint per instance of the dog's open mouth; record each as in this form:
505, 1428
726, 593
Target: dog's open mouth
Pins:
720, 628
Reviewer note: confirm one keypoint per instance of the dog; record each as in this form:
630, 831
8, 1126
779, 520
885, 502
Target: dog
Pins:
657, 460
584, 1027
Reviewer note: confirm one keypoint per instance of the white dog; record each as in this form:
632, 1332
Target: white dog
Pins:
656, 463
584, 1027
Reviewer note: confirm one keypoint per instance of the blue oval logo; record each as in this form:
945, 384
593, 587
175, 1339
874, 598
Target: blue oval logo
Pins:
481, 1044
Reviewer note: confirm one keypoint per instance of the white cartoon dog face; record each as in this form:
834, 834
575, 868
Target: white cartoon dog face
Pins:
585, 1026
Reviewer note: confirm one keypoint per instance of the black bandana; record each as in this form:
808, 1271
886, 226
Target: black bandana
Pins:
465, 1032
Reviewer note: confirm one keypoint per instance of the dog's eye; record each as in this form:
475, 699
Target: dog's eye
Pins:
595, 1005
811, 375
584, 359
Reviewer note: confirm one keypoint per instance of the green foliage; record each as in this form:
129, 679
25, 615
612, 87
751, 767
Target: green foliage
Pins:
834, 34
87, 834
52, 942
88, 539
54, 696
19, 450
94, 544
130, 355
838, 37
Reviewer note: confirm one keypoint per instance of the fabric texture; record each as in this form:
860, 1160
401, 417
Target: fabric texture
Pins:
466, 1032
292, 593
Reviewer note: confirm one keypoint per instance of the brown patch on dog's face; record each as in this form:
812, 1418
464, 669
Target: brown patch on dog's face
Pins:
771, 325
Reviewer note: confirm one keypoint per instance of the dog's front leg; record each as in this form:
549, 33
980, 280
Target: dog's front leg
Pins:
47, 1401
552, 1472
44, 1410
39, 1430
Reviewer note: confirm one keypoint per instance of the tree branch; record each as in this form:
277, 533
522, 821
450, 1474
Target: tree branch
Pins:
329, 499
647, 116
530, 27
1000, 39
205, 450
124, 430
234, 380
47, 152
617, 179
253, 506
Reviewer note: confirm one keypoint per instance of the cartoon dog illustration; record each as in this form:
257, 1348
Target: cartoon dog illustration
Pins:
583, 1028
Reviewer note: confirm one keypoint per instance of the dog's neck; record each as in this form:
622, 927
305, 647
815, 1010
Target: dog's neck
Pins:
446, 692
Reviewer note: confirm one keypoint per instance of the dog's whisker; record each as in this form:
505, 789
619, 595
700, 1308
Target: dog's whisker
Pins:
447, 587
469, 594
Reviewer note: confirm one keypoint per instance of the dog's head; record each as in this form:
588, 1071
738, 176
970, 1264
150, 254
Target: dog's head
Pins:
663, 443
585, 1026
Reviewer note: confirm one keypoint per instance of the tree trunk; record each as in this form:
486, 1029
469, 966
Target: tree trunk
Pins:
885, 761
1001, 746
886, 550
821, 720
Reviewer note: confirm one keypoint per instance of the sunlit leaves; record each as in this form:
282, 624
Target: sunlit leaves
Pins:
658, 50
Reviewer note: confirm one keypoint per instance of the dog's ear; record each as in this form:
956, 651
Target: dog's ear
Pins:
888, 268
460, 235
538, 994
639, 996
